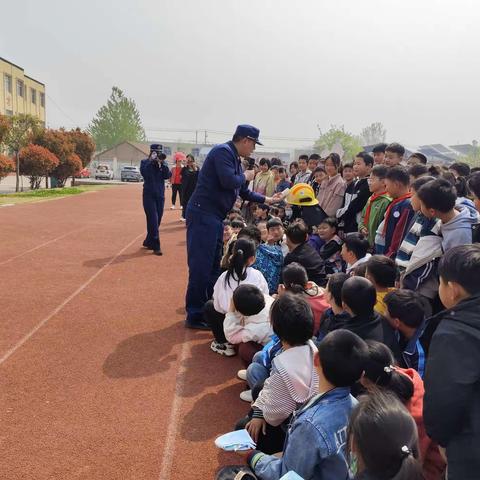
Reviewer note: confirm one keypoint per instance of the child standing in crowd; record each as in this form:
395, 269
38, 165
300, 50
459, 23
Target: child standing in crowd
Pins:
382, 272
350, 214
331, 249
438, 199
239, 271
452, 379
417, 159
347, 174
247, 322
377, 204
355, 251
399, 213
264, 182
332, 189
293, 170
405, 311
334, 317
176, 179
407, 386
378, 153
394, 155
318, 176
295, 280
293, 379
283, 183
321, 423
189, 181
301, 252
303, 174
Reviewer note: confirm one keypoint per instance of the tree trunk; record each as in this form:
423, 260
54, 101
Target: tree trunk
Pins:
46, 181
17, 173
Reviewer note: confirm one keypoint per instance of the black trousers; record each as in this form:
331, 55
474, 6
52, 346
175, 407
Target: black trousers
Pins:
270, 443
214, 320
176, 188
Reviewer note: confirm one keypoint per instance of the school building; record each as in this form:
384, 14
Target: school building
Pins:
20, 93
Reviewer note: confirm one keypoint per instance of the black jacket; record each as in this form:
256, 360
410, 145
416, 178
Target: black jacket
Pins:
189, 182
372, 327
307, 256
330, 322
360, 196
451, 407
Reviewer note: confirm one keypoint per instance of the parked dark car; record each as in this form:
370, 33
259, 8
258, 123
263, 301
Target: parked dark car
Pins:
130, 174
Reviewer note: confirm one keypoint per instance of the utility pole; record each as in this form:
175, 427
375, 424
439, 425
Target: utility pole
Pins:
206, 137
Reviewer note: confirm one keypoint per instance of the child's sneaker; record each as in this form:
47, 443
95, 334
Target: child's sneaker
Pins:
223, 348
242, 375
246, 396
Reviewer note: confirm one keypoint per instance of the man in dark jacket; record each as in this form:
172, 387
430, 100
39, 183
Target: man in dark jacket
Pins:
220, 182
154, 171
301, 252
452, 380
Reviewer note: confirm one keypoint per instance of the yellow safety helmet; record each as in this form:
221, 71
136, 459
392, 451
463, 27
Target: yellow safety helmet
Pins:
302, 195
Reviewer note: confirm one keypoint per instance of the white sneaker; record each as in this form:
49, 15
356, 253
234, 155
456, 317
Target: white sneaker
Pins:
172, 207
223, 348
242, 375
246, 396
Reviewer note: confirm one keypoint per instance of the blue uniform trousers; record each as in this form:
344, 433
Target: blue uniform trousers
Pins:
204, 250
153, 205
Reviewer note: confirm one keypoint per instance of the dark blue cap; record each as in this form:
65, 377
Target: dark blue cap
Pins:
248, 131
156, 147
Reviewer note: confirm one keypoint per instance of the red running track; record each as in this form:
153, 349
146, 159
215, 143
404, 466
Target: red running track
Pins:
98, 377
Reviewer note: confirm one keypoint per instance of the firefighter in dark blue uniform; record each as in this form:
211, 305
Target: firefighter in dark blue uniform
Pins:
220, 182
155, 171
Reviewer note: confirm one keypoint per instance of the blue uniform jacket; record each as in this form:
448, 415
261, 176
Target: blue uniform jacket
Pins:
221, 181
154, 175
315, 446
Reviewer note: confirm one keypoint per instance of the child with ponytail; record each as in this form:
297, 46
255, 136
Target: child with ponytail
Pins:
407, 386
239, 272
295, 280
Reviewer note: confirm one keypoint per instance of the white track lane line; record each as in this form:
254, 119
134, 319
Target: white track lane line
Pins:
26, 252
174, 418
37, 327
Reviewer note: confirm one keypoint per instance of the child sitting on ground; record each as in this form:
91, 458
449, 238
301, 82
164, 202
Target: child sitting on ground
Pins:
405, 311
262, 213
295, 280
382, 272
247, 323
452, 379
239, 271
407, 386
293, 379
334, 317
301, 252
354, 251
377, 204
316, 444
330, 251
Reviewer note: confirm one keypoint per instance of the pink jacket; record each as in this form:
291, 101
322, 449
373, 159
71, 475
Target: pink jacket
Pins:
331, 193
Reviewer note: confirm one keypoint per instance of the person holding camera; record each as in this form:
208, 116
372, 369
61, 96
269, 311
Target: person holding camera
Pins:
220, 182
155, 171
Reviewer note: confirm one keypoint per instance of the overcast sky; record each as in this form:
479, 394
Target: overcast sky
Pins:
288, 67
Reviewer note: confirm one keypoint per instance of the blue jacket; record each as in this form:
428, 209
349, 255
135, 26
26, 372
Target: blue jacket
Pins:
269, 261
154, 175
221, 181
315, 446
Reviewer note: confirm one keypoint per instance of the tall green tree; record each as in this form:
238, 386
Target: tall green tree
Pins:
117, 121
374, 133
338, 136
20, 131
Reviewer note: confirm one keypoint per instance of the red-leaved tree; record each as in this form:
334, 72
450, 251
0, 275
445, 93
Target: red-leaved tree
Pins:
37, 162
6, 166
70, 166
84, 146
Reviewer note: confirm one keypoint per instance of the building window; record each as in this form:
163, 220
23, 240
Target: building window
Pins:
7, 79
20, 88
42, 99
33, 93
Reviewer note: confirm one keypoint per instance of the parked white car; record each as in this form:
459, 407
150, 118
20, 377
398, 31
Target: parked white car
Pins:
103, 172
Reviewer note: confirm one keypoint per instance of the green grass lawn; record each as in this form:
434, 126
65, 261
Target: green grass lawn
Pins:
48, 194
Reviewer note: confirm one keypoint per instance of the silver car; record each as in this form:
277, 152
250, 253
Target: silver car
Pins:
130, 174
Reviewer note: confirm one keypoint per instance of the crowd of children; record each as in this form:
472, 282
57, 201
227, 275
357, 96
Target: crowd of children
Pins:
355, 309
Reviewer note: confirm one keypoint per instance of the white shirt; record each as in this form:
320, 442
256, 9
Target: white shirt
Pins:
223, 292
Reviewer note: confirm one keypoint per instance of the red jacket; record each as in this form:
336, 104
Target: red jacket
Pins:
176, 175
433, 463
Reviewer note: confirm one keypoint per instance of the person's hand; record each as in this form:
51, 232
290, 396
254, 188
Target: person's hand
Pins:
281, 289
232, 308
249, 175
244, 453
256, 426
275, 199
